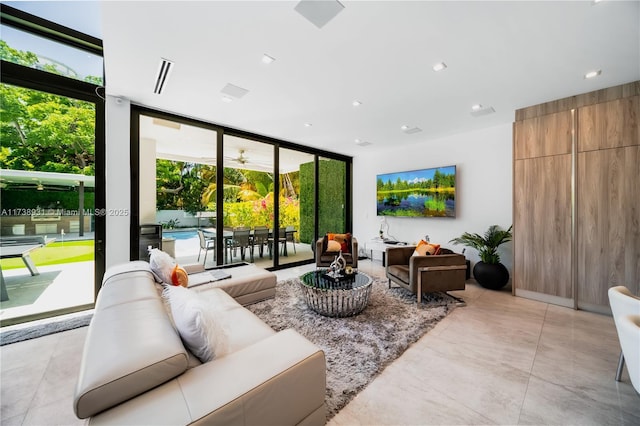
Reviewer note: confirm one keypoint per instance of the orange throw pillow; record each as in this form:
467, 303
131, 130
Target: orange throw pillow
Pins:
433, 249
333, 245
179, 276
424, 248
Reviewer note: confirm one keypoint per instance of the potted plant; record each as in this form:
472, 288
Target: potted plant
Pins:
489, 272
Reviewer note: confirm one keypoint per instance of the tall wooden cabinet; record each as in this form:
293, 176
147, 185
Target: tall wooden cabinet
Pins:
576, 195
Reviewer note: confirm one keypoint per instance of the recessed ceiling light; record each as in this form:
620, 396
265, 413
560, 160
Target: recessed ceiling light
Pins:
592, 74
266, 59
356, 103
362, 143
479, 110
308, 124
227, 99
439, 66
410, 130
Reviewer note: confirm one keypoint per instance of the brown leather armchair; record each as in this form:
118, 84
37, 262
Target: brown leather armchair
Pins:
324, 258
425, 274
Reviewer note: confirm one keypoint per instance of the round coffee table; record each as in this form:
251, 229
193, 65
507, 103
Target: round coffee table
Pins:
331, 298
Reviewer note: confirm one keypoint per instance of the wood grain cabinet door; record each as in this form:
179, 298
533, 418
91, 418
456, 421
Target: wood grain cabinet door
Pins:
543, 136
542, 225
612, 124
608, 223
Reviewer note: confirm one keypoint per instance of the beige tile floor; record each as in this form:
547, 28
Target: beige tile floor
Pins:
498, 360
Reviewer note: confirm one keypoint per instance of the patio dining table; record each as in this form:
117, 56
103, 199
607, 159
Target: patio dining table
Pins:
228, 235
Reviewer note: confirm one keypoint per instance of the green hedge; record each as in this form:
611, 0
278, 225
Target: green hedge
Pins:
32, 199
332, 181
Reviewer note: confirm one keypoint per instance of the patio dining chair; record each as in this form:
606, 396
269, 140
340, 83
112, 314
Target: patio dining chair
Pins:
260, 239
207, 244
290, 236
240, 240
278, 241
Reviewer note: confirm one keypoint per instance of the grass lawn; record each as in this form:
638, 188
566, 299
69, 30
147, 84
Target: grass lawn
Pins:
55, 254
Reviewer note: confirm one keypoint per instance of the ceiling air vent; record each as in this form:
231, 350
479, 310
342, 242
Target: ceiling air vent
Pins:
319, 13
234, 91
163, 73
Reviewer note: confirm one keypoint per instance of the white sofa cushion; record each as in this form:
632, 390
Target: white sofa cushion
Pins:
118, 364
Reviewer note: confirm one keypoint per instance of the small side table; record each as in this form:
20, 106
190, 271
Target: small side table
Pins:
377, 245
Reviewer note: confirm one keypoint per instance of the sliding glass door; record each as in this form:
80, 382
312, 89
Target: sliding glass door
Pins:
177, 189
248, 202
297, 205
224, 197
47, 198
51, 169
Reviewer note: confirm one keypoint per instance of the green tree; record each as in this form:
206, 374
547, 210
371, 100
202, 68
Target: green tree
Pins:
41, 131
437, 179
9, 54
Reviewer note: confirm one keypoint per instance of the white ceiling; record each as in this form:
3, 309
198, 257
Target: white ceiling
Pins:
505, 55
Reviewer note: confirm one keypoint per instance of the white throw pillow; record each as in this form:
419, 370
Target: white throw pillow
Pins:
161, 265
194, 319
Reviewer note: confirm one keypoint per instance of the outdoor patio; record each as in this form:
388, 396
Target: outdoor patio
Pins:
56, 287
186, 252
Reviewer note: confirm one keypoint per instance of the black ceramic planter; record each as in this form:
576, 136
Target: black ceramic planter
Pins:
491, 275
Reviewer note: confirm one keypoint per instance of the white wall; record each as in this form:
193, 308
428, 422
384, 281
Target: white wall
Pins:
118, 180
483, 163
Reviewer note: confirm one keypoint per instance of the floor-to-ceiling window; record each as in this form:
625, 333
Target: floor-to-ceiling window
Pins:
177, 175
248, 201
51, 161
223, 196
297, 205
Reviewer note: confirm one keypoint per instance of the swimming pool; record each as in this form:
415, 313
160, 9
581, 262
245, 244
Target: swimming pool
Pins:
187, 234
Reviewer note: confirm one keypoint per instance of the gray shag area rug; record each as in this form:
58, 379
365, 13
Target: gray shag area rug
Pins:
15, 334
357, 348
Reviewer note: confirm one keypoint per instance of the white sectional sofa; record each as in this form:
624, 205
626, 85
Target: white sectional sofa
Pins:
136, 370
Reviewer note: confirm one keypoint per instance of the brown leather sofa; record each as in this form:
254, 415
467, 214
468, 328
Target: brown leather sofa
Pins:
425, 274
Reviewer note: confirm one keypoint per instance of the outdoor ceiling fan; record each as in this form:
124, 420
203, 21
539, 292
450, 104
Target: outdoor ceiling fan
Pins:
241, 159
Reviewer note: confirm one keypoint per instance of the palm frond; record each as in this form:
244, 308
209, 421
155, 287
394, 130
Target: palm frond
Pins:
487, 245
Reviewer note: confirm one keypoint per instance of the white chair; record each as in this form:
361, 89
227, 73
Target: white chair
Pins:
623, 303
629, 335
206, 244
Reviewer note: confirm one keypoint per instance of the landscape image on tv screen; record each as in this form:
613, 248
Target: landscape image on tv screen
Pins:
418, 193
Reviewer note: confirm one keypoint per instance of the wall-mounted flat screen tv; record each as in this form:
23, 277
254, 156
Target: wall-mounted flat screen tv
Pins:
418, 193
